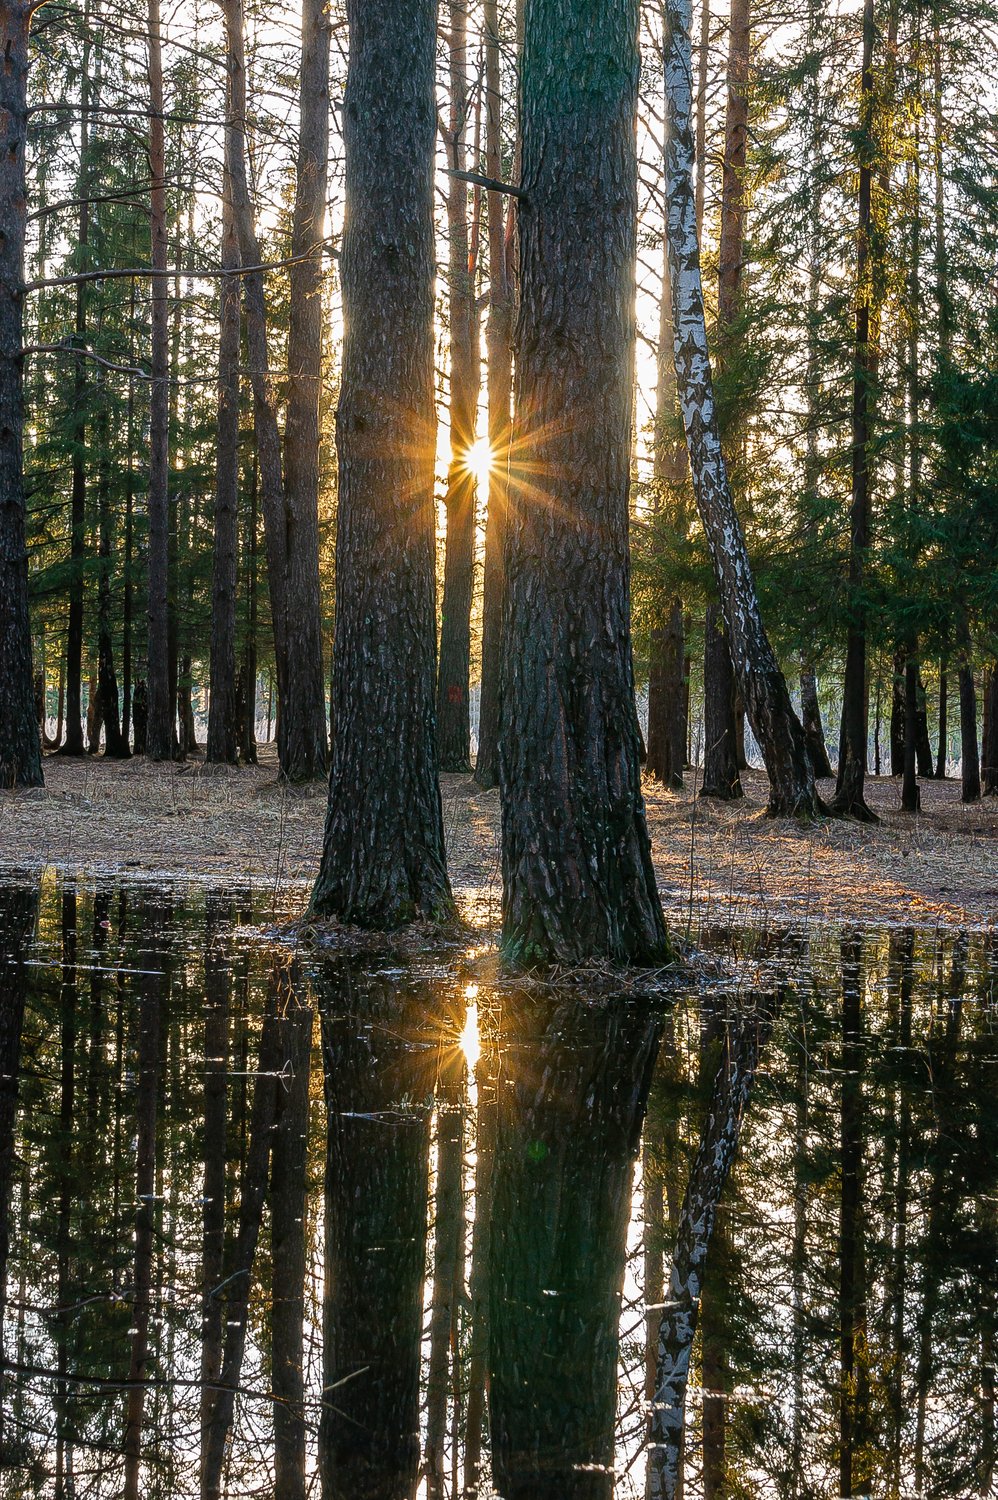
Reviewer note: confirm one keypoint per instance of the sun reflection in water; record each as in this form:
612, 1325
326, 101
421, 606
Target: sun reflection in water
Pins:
471, 1043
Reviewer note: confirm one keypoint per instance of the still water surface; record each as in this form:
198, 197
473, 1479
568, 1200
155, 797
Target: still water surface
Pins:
277, 1226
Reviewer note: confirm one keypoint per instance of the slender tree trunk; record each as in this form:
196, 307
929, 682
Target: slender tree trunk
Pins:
897, 712
303, 737
578, 877
849, 789
811, 719
127, 603
760, 681
20, 746
289, 1241
247, 695
970, 763
383, 859
941, 746
159, 730
149, 1064
223, 726
911, 800
107, 680
453, 675
720, 760
499, 342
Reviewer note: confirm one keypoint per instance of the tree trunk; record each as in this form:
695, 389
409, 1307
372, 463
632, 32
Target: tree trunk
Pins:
159, 731
720, 758
569, 1125
499, 344
897, 712
223, 725
941, 744
107, 680
666, 758
708, 1174
302, 733
780, 736
248, 672
970, 763
811, 719
577, 871
989, 744
454, 670
375, 1058
383, 859
911, 799
850, 783
20, 746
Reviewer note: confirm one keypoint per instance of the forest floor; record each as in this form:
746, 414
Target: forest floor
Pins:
717, 864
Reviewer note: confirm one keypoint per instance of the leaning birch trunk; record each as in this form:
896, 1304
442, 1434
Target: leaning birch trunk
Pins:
718, 1143
776, 727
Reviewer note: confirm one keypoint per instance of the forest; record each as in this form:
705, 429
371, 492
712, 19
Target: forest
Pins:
498, 749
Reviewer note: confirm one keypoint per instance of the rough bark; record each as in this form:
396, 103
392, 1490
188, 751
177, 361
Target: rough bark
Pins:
569, 1125
897, 712
159, 730
970, 761
715, 1153
577, 872
720, 756
499, 378
454, 667
849, 787
115, 744
811, 719
760, 681
20, 746
911, 798
223, 725
383, 859
377, 1077
302, 735
989, 739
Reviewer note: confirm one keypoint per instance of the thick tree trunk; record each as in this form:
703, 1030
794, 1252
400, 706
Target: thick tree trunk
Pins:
223, 723
20, 746
811, 719
383, 860
849, 788
776, 727
666, 757
499, 344
989, 741
578, 877
570, 1121
970, 762
159, 731
454, 669
375, 1058
715, 1153
720, 757
302, 733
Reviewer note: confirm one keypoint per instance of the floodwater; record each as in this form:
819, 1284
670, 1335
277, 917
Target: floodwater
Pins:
275, 1226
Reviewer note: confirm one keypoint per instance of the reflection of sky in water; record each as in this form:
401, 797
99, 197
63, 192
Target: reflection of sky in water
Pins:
871, 1125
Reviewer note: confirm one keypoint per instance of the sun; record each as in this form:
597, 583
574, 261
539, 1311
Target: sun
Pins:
478, 459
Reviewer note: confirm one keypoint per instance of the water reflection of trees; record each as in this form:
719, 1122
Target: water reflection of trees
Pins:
238, 1263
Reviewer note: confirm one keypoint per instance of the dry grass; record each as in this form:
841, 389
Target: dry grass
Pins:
716, 863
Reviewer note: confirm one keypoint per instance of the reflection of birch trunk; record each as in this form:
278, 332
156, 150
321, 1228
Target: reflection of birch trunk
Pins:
239, 1278
150, 1008
448, 1241
289, 1174
570, 1114
17, 919
377, 1058
718, 1143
